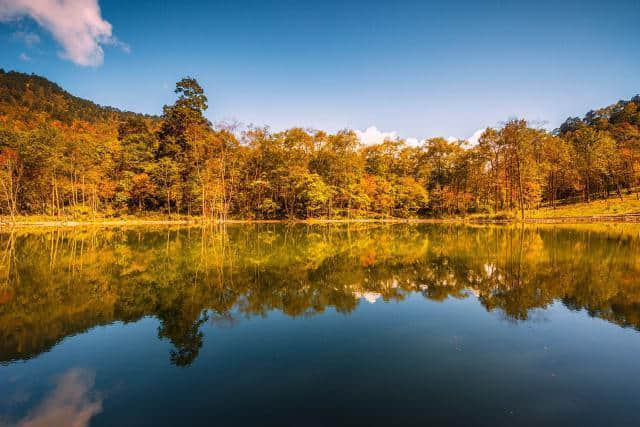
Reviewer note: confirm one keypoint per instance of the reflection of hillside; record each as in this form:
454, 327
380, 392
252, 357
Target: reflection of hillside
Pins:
57, 283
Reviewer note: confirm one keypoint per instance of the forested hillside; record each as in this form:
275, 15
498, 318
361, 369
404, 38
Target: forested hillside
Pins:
23, 96
68, 157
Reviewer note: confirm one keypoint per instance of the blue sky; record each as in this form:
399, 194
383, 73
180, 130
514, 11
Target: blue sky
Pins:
417, 68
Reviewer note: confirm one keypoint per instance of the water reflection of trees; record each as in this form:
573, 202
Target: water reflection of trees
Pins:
61, 282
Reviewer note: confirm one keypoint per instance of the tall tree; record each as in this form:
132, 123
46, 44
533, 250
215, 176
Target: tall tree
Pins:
183, 128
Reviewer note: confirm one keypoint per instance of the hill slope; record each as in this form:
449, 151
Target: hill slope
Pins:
31, 94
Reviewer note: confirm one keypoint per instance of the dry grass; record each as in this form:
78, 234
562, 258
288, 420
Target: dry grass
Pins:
607, 207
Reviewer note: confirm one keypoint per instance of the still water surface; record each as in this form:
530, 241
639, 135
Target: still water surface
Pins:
321, 325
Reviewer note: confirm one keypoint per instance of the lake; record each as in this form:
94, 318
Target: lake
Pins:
313, 325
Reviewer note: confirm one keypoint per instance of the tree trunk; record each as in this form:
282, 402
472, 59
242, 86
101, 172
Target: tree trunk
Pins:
588, 190
520, 187
553, 190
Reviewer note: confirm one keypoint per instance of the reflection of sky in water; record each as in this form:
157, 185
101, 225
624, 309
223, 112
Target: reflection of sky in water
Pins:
370, 297
71, 403
414, 356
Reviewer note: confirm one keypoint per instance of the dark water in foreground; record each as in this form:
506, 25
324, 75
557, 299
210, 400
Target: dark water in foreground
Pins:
321, 325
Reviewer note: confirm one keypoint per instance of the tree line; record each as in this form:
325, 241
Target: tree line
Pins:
64, 156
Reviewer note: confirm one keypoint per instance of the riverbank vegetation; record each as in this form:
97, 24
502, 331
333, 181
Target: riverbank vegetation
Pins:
65, 157
612, 206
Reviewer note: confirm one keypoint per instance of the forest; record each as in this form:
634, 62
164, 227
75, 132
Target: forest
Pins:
63, 156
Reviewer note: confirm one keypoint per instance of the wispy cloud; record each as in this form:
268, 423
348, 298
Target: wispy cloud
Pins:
24, 57
76, 24
26, 37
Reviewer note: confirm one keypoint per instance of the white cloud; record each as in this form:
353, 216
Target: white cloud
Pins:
76, 24
24, 57
413, 142
473, 139
373, 136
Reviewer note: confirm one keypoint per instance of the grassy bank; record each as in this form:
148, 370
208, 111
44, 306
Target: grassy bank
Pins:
42, 221
607, 210
629, 204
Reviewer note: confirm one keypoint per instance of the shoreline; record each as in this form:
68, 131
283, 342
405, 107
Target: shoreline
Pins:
6, 223
198, 222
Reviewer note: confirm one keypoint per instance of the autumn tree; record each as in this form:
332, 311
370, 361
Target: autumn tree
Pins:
183, 128
11, 170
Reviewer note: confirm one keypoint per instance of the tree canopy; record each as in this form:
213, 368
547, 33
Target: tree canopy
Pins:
64, 156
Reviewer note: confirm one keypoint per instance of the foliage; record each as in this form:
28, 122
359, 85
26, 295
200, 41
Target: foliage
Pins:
64, 156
